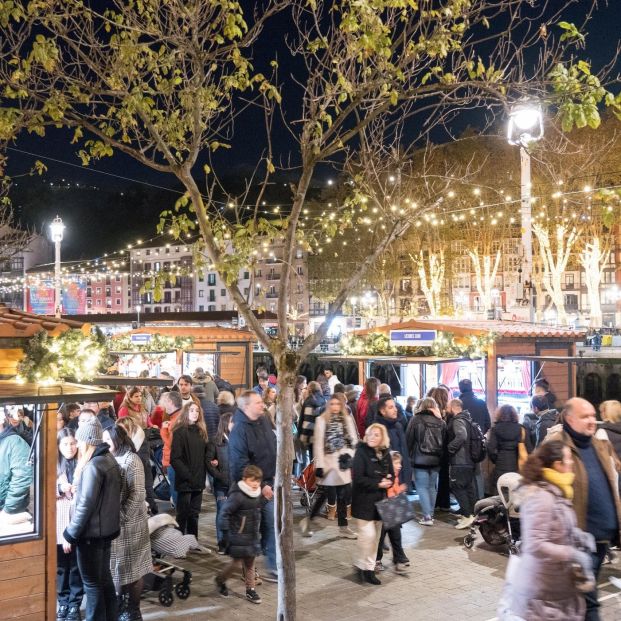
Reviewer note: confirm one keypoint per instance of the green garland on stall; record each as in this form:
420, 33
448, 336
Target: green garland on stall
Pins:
378, 344
157, 343
72, 355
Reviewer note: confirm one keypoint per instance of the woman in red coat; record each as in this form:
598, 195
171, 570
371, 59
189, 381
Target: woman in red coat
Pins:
369, 394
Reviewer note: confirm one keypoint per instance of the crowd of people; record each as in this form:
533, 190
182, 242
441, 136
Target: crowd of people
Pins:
363, 447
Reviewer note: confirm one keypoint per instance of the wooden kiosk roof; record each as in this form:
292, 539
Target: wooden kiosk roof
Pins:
15, 393
464, 327
19, 324
201, 335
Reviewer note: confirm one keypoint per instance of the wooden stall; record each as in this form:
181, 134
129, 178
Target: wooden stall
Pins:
515, 340
28, 557
224, 351
16, 327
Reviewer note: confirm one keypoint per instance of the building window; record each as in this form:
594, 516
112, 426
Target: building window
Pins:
108, 303
89, 303
211, 308
89, 292
108, 291
211, 280
157, 266
98, 290
246, 290
300, 307
258, 273
167, 309
201, 309
246, 275
201, 293
167, 297
177, 249
299, 253
118, 302
167, 250
300, 270
222, 292
118, 290
118, 278
212, 295
98, 303
569, 280
107, 280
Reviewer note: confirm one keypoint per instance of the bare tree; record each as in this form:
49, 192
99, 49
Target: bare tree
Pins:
163, 82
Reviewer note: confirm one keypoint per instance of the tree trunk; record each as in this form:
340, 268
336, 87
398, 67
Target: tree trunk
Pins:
286, 365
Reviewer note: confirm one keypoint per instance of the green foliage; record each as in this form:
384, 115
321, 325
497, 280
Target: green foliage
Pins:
445, 345
158, 343
70, 356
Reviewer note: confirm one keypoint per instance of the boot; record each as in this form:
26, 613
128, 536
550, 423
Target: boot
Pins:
61, 613
135, 614
331, 512
348, 512
123, 607
370, 577
74, 614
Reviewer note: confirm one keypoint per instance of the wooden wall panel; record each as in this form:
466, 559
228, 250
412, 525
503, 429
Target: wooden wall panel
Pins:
19, 607
233, 368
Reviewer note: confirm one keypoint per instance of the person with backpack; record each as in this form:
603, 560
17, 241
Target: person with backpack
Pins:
426, 442
313, 406
464, 440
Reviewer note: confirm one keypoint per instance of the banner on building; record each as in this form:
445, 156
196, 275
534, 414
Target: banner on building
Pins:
41, 296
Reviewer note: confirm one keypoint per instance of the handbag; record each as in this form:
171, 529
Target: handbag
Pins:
395, 511
162, 490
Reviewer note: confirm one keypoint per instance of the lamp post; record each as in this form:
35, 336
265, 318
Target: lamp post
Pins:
138, 309
56, 229
525, 127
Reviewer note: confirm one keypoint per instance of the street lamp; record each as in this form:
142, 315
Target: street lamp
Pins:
56, 229
138, 309
525, 127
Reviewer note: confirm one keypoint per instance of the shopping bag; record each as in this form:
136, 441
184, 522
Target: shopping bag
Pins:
395, 511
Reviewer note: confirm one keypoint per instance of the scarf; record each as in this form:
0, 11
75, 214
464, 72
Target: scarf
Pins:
580, 440
246, 489
562, 480
336, 437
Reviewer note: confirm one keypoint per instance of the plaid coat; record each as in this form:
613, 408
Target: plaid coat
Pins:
130, 558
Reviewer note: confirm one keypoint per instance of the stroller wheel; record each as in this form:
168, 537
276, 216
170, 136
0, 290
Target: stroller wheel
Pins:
165, 598
468, 542
182, 590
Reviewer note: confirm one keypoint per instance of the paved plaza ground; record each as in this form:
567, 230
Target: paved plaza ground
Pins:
446, 582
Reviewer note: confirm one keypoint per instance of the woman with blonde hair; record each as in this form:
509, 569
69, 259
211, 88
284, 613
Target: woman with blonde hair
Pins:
189, 457
373, 475
335, 439
610, 412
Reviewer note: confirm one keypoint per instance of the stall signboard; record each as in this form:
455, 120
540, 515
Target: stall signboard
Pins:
413, 338
140, 339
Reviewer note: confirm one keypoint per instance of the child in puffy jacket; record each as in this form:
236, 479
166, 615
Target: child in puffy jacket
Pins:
240, 523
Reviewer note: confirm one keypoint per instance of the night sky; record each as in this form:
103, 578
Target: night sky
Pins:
110, 210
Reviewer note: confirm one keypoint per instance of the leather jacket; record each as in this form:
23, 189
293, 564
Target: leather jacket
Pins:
97, 510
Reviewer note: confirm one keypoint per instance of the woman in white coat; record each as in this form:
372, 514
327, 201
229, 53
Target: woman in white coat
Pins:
335, 439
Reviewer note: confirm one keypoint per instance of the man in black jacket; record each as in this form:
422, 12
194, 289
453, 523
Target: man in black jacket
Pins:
546, 417
460, 459
253, 442
479, 414
387, 415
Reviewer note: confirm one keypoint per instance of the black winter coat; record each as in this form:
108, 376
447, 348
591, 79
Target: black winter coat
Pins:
97, 510
367, 471
312, 407
459, 440
220, 473
398, 443
425, 422
252, 443
189, 457
530, 424
502, 448
546, 420
240, 521
613, 430
477, 409
211, 412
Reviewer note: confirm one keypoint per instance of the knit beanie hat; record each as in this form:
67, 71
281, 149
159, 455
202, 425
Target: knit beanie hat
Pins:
90, 432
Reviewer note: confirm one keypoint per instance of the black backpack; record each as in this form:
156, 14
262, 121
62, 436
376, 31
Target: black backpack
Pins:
478, 448
431, 440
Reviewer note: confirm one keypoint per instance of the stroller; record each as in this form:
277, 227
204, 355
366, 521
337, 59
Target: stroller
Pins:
497, 518
307, 483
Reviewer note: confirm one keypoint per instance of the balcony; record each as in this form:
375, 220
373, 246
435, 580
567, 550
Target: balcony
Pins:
273, 276
271, 295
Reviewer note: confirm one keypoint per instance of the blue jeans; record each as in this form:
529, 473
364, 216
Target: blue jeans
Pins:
94, 563
426, 480
170, 473
592, 603
268, 536
221, 496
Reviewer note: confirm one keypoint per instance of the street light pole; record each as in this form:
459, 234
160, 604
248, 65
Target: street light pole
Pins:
56, 229
525, 127
138, 309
